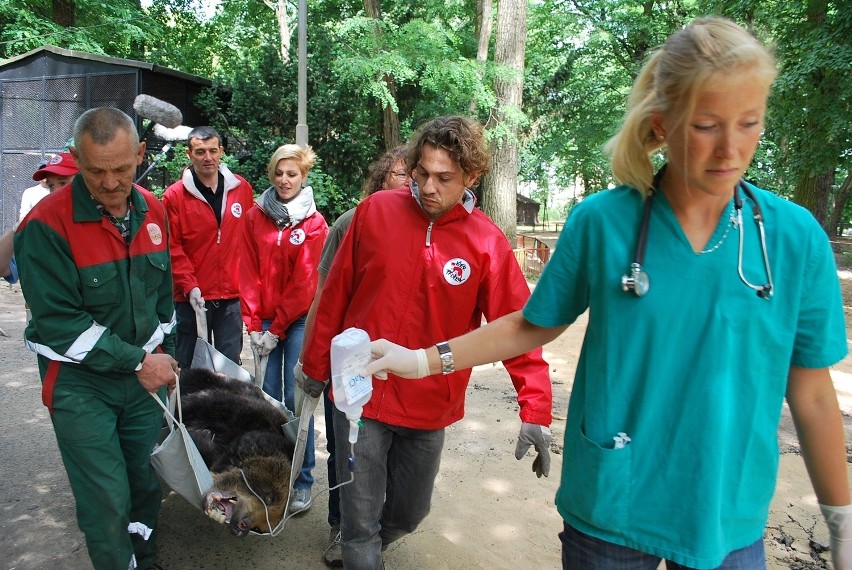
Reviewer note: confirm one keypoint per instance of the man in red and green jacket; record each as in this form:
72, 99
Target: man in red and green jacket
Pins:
94, 260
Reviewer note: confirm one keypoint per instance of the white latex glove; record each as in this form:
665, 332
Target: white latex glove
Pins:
254, 340
195, 299
401, 361
267, 343
540, 437
839, 521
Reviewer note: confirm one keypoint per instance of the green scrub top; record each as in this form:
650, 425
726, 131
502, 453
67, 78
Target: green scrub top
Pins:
694, 372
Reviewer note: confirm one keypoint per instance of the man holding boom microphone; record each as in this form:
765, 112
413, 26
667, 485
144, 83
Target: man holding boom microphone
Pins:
205, 209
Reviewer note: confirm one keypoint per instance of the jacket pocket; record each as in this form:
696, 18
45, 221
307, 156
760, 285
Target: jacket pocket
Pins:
159, 262
599, 484
100, 285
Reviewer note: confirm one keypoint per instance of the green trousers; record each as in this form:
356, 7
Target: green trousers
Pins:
106, 428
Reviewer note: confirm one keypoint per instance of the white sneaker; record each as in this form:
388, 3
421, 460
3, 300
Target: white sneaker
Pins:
300, 500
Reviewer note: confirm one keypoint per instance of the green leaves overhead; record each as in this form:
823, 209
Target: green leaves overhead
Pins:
114, 28
581, 59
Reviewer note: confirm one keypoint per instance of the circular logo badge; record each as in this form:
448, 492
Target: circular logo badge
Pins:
155, 233
236, 209
297, 236
456, 271
55, 160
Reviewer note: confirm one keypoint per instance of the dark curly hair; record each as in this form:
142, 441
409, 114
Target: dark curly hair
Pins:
378, 170
462, 138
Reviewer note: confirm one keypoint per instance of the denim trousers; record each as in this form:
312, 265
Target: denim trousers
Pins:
224, 330
279, 381
393, 472
583, 552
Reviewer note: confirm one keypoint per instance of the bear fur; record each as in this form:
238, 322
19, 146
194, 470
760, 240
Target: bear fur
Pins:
239, 435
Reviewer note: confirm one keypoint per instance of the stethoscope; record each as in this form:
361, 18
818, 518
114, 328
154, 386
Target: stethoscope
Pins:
637, 279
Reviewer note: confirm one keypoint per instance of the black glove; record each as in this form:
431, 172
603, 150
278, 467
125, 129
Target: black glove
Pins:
309, 386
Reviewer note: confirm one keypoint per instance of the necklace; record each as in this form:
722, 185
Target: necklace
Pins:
732, 223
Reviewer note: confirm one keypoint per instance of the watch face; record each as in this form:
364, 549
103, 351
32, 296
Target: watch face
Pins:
446, 360
642, 283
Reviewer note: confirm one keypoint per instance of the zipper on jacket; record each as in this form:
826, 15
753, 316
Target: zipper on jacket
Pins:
278, 242
429, 234
219, 236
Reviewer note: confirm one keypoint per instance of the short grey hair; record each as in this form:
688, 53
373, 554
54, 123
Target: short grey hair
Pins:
102, 123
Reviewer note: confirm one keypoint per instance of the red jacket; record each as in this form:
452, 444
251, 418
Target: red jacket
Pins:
414, 282
205, 254
279, 276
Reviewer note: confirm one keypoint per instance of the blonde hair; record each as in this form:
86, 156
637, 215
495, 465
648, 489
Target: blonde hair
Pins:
305, 158
669, 83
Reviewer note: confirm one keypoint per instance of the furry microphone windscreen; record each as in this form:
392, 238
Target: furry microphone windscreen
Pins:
158, 111
178, 133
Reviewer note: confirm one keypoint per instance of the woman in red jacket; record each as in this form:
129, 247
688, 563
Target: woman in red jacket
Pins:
283, 240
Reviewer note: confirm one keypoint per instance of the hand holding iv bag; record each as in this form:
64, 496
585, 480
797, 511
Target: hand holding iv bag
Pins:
350, 353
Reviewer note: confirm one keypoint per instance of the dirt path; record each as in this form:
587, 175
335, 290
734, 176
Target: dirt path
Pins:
489, 510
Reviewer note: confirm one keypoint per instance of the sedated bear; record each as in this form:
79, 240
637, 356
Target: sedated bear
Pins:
240, 438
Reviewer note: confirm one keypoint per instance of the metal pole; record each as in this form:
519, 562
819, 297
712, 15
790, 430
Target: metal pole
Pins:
302, 125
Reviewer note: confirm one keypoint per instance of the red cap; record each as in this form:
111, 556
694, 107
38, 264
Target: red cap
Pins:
62, 165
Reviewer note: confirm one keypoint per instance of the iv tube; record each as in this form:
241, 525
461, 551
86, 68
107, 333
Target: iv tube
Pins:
353, 430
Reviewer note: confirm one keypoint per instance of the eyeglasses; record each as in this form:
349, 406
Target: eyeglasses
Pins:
399, 174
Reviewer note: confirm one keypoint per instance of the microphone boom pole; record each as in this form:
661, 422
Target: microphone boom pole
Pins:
165, 149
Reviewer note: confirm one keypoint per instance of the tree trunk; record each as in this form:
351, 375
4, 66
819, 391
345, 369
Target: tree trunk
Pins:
484, 10
499, 193
817, 176
834, 226
285, 28
390, 120
812, 192
64, 13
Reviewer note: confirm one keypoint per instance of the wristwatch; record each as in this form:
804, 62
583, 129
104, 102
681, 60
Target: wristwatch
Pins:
448, 365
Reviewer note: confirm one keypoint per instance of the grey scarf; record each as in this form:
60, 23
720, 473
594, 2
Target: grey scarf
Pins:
291, 213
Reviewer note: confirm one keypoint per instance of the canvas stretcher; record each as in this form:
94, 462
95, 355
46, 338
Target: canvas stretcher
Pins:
295, 429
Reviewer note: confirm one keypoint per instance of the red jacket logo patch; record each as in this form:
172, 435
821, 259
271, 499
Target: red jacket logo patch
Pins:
297, 236
456, 271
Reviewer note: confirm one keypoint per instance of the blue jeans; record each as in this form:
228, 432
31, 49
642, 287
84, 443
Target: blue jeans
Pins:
224, 330
583, 552
279, 378
394, 475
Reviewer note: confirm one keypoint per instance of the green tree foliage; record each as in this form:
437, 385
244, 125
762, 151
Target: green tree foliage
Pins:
189, 43
806, 152
116, 28
581, 58
427, 50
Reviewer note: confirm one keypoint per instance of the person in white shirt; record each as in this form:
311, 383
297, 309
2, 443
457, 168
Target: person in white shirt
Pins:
33, 194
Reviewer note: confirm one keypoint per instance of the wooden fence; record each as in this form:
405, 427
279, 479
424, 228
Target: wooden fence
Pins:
549, 226
532, 254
